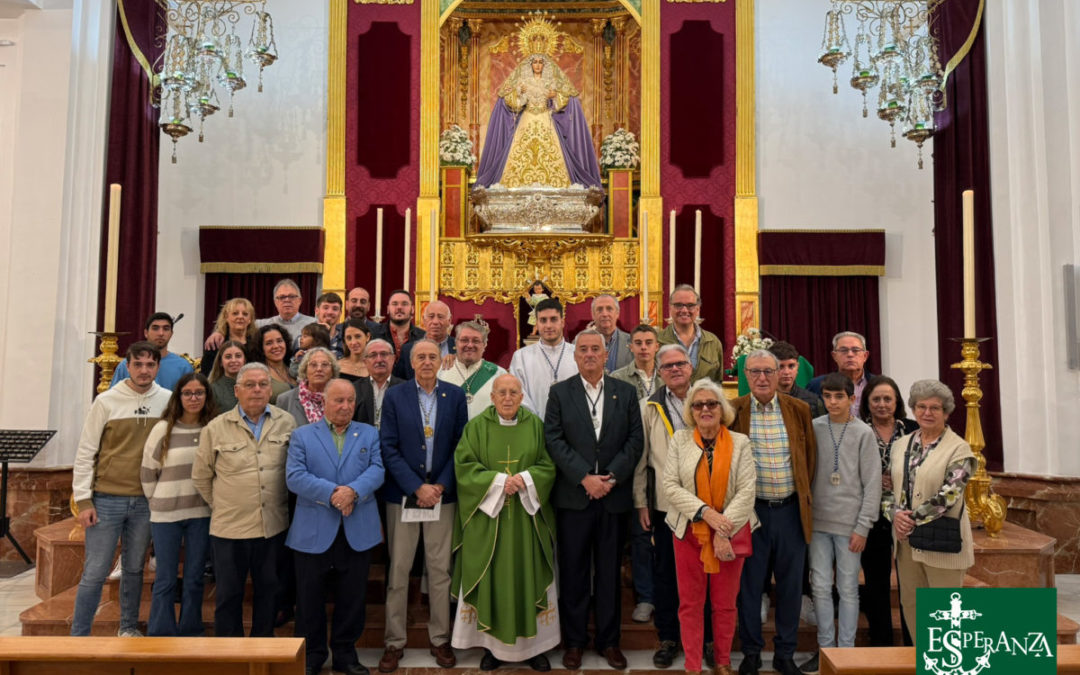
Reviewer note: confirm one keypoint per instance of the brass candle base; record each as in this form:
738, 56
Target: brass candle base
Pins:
107, 360
984, 507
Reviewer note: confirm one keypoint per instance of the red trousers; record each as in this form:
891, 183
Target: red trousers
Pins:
723, 588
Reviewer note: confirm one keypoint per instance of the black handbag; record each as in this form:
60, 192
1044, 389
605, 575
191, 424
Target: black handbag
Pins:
941, 535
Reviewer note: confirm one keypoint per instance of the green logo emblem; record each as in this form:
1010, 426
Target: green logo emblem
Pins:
964, 631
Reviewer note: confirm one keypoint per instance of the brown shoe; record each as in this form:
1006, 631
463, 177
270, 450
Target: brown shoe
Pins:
723, 670
571, 660
444, 655
614, 658
389, 661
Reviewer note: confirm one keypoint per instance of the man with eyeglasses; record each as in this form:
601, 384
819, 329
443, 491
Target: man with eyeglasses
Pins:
850, 353
662, 416
785, 453
469, 370
287, 300
239, 470
705, 350
370, 390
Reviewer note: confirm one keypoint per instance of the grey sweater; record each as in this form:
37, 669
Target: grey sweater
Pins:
851, 506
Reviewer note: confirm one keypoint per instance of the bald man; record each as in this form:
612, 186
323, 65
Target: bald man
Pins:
437, 322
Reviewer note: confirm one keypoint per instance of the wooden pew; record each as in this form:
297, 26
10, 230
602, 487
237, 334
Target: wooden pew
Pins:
901, 660
150, 655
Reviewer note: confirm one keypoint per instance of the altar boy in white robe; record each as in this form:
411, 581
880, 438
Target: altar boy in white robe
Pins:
551, 360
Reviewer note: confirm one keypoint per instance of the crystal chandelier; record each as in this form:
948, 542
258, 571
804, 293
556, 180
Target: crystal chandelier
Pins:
204, 54
896, 51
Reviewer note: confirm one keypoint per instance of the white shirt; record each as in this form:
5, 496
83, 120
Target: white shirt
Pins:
380, 392
538, 373
480, 397
594, 401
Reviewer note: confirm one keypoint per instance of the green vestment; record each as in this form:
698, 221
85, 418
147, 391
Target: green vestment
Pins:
504, 565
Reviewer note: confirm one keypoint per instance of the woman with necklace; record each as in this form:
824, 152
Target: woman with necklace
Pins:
882, 407
273, 348
356, 335
930, 469
710, 480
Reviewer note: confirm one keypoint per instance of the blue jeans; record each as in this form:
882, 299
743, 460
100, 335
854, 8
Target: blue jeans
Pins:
825, 550
126, 519
194, 533
641, 559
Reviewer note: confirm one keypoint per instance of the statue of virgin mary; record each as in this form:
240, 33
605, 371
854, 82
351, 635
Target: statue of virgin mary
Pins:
537, 133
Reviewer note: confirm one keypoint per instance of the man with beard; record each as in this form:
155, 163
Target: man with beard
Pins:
358, 306
401, 331
470, 371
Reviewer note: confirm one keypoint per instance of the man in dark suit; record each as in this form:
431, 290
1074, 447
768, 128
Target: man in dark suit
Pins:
785, 453
437, 322
850, 353
371, 390
422, 421
593, 431
334, 467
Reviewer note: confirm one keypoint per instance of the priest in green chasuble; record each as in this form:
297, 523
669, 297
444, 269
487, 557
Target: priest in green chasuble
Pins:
504, 536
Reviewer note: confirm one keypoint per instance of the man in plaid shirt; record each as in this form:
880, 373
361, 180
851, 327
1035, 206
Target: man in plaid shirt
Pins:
785, 452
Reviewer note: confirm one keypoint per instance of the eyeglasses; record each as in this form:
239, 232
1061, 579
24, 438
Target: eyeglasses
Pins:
684, 305
256, 385
933, 409
844, 351
193, 394
377, 356
705, 405
287, 298
758, 372
675, 364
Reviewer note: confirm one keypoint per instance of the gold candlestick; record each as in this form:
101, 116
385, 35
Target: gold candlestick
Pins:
984, 507
107, 359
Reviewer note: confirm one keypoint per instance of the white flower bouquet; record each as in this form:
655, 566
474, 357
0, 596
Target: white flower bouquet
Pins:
748, 342
620, 150
455, 148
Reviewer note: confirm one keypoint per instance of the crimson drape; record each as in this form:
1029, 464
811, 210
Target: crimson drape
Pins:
962, 162
258, 288
132, 161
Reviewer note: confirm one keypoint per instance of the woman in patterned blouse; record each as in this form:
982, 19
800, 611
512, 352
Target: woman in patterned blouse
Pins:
939, 463
882, 408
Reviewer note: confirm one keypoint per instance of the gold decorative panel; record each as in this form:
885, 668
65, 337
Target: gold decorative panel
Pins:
575, 266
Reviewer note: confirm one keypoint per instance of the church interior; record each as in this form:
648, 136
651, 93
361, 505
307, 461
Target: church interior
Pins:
466, 150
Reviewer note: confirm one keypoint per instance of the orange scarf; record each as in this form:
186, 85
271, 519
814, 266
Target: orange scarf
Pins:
711, 489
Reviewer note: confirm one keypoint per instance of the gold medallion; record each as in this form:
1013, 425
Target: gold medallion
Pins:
428, 431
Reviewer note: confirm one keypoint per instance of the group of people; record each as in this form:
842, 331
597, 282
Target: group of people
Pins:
314, 440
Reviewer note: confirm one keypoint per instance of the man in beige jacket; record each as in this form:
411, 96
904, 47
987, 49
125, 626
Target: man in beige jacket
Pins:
662, 416
239, 470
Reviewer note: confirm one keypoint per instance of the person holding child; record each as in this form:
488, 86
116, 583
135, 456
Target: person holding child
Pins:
847, 495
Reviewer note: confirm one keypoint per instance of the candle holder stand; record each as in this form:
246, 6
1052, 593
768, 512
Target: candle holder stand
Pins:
107, 360
984, 507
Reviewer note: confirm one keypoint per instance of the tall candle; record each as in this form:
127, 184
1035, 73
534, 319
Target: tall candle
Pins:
378, 260
671, 253
408, 248
112, 258
645, 266
434, 256
697, 251
969, 263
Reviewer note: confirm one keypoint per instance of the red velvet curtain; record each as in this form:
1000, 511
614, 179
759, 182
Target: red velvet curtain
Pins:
258, 288
132, 161
809, 311
962, 162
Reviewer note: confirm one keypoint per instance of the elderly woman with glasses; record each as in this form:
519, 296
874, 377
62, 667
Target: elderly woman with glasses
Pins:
930, 469
306, 403
709, 480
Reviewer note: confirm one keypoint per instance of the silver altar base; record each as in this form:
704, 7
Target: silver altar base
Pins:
536, 208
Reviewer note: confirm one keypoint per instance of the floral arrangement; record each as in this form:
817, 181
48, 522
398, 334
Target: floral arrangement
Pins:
456, 148
749, 342
620, 150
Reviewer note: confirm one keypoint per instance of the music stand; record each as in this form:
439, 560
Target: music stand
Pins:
17, 445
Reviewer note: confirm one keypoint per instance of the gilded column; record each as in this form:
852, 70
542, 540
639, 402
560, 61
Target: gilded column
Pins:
651, 202
429, 144
747, 285
334, 201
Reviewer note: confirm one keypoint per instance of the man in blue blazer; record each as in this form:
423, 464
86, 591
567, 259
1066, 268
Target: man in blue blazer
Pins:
334, 467
422, 421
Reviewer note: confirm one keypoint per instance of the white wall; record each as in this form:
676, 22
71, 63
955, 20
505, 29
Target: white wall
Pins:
265, 167
821, 165
33, 134
1034, 101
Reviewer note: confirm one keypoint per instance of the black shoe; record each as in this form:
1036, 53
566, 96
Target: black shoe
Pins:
488, 661
709, 655
812, 666
665, 656
751, 664
785, 665
312, 670
540, 663
353, 669
283, 617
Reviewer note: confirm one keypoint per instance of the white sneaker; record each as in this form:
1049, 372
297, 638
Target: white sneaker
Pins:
764, 607
643, 611
807, 613
153, 563
117, 571
128, 632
